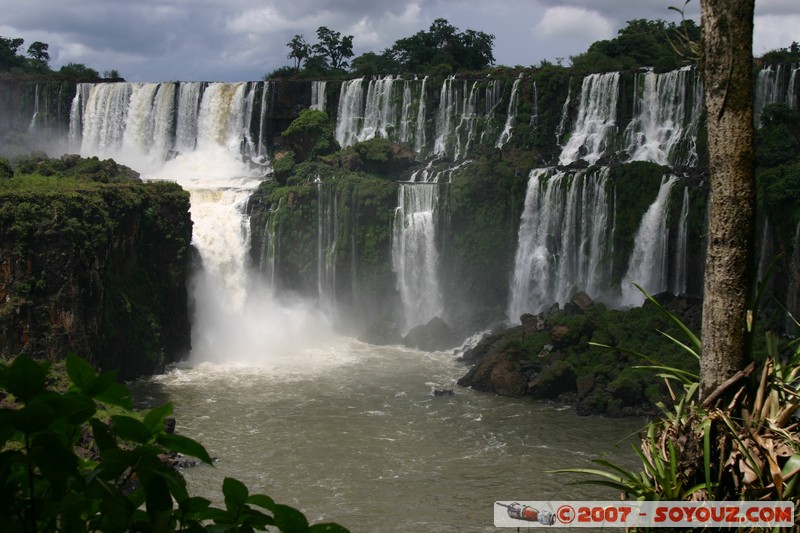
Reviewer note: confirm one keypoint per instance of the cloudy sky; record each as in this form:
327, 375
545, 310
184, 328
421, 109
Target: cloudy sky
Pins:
240, 40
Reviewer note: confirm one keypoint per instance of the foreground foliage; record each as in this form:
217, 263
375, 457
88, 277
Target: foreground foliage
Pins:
66, 465
740, 442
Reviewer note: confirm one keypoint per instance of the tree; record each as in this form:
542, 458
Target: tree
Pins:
727, 28
8, 53
38, 54
444, 44
299, 50
334, 48
79, 71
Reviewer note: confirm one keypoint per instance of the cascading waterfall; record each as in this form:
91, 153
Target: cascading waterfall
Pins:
679, 271
419, 135
534, 124
141, 124
236, 316
562, 123
326, 248
384, 111
596, 120
380, 114
270, 247
775, 84
188, 108
349, 112
461, 116
666, 115
792, 96
448, 111
318, 95
415, 258
647, 264
511, 114
563, 239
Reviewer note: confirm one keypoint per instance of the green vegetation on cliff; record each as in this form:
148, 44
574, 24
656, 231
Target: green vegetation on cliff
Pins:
93, 260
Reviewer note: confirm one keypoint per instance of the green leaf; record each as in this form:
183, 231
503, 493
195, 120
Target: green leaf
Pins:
158, 502
116, 394
235, 492
193, 505
34, 417
80, 372
289, 520
25, 378
184, 445
103, 437
75, 407
261, 500
154, 419
129, 428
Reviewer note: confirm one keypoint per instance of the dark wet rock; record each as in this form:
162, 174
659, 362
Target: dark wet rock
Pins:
444, 392
497, 374
434, 336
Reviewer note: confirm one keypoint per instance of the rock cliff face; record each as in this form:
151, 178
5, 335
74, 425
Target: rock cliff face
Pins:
98, 269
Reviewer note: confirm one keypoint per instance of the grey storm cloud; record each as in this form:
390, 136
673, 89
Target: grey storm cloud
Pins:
230, 40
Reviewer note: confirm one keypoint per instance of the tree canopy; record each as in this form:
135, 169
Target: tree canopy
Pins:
441, 45
36, 60
651, 43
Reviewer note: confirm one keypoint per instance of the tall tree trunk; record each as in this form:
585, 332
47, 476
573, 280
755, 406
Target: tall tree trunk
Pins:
727, 29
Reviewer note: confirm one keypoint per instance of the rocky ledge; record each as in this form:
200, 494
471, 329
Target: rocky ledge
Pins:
549, 355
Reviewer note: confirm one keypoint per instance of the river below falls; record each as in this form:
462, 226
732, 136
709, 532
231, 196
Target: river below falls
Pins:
352, 433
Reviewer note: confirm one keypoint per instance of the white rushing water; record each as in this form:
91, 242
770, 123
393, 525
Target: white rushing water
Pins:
596, 121
563, 239
345, 431
415, 256
647, 264
666, 115
352, 433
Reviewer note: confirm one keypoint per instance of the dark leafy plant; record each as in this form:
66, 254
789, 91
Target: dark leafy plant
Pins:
64, 466
703, 450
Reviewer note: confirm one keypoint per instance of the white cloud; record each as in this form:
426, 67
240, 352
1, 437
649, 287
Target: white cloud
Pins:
573, 22
771, 32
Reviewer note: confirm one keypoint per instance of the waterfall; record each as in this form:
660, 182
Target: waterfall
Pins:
415, 258
350, 111
419, 132
236, 315
405, 113
596, 120
326, 248
679, 271
142, 125
270, 247
647, 264
563, 240
774, 85
465, 110
188, 108
666, 113
534, 124
511, 114
465, 131
562, 123
792, 96
380, 115
361, 117
448, 111
318, 96
32, 125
